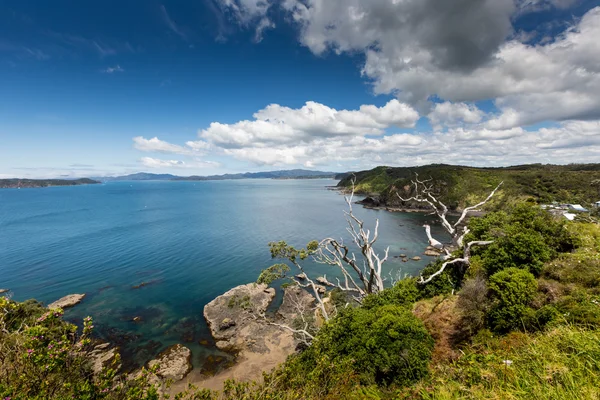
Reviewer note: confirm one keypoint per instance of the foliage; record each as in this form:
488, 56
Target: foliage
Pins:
404, 293
562, 364
387, 344
283, 250
525, 237
511, 291
458, 185
42, 357
273, 273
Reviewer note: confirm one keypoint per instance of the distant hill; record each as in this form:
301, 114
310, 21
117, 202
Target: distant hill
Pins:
140, 176
459, 186
285, 174
36, 183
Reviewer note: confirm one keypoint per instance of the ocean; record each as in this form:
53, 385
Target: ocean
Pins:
181, 243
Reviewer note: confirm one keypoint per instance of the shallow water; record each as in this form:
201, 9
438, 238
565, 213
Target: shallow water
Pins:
188, 241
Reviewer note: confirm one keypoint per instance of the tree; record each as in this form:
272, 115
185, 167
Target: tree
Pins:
511, 290
423, 193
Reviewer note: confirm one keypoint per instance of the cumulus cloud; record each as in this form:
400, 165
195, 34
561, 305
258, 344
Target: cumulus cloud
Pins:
459, 51
453, 114
278, 125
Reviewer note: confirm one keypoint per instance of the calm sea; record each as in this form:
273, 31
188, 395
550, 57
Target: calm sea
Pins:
188, 241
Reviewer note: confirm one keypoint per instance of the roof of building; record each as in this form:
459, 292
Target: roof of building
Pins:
577, 207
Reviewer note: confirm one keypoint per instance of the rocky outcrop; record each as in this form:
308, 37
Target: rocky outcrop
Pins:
102, 356
370, 201
416, 258
173, 363
234, 320
295, 299
2, 291
67, 301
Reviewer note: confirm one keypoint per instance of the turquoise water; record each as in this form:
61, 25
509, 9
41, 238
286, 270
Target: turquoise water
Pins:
190, 241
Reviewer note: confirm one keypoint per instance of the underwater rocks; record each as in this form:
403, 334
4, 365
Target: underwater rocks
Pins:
67, 301
173, 363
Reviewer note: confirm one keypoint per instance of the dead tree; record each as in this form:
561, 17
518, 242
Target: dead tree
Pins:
360, 277
423, 193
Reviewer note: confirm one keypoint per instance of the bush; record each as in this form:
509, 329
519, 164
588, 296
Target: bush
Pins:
511, 292
473, 305
385, 345
404, 293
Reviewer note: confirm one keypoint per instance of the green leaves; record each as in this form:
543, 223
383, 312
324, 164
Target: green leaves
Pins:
273, 273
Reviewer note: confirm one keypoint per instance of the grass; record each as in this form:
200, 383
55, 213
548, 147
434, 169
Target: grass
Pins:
563, 363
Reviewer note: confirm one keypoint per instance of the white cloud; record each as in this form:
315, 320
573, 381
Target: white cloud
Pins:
458, 51
277, 124
150, 162
112, 70
454, 114
192, 148
250, 12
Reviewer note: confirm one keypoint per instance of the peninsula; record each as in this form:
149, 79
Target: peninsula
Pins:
17, 183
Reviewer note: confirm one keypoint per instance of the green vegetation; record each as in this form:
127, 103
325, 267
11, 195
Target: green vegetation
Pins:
522, 322
34, 183
458, 186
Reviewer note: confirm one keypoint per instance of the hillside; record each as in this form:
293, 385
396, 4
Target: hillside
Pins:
36, 183
459, 185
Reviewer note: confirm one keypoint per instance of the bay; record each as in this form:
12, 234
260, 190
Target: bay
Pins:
184, 242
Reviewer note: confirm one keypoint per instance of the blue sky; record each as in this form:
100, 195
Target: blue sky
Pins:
101, 88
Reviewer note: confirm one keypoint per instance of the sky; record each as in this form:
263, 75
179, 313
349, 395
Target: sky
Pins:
201, 87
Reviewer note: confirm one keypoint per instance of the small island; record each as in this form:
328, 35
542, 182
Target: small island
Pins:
17, 183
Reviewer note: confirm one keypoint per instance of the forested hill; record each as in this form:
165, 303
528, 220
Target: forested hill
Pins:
35, 183
459, 186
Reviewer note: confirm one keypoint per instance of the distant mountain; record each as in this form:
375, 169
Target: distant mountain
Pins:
140, 176
36, 183
285, 174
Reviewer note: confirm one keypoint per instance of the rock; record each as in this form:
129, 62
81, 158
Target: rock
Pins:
294, 297
2, 291
416, 258
137, 319
322, 280
102, 356
301, 276
431, 253
173, 363
405, 259
144, 284
240, 305
402, 255
67, 301
321, 289
204, 342
370, 202
226, 324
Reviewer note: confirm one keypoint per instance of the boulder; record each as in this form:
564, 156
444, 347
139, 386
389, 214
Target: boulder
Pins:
323, 281
103, 356
370, 202
67, 301
301, 276
2, 291
232, 317
431, 253
402, 255
173, 363
416, 258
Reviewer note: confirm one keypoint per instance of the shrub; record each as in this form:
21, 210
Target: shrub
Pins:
385, 345
404, 293
473, 305
511, 290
